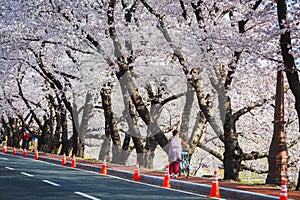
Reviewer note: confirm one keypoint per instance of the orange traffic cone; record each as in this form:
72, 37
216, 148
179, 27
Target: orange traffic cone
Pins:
24, 153
283, 192
14, 152
167, 178
64, 160
73, 162
215, 192
136, 176
103, 168
4, 147
36, 155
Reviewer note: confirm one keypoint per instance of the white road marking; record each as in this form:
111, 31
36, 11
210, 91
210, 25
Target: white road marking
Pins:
26, 174
141, 183
9, 168
51, 183
92, 172
3, 159
156, 186
87, 196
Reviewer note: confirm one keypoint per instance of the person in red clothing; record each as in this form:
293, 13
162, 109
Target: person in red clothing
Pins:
25, 138
175, 150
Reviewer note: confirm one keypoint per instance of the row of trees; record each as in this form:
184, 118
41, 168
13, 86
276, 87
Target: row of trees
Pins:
205, 67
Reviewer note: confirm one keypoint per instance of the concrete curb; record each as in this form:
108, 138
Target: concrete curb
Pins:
226, 193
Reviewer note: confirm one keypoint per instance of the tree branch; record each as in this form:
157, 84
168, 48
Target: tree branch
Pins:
247, 109
211, 151
244, 167
254, 155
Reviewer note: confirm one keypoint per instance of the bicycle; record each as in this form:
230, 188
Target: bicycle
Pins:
184, 165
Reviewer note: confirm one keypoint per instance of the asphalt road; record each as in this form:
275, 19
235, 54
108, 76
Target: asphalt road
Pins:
30, 179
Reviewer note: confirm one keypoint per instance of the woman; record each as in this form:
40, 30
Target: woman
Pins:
175, 153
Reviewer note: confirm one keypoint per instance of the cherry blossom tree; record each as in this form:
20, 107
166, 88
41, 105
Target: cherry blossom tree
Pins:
205, 67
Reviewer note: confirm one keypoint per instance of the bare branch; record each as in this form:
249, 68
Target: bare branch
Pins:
255, 155
247, 109
211, 151
244, 167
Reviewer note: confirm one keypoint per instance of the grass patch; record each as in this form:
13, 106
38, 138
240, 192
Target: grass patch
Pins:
251, 178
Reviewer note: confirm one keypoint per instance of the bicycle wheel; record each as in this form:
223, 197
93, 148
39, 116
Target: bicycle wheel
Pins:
180, 169
186, 170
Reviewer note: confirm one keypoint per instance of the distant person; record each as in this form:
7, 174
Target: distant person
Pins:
175, 150
1, 133
25, 140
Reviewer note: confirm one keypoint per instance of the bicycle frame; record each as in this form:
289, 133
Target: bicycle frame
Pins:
184, 165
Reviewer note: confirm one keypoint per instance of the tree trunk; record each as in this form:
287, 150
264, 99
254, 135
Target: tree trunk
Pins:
11, 132
111, 124
57, 134
198, 130
7, 128
232, 156
45, 134
105, 149
186, 114
149, 159
51, 125
86, 115
298, 184
119, 155
64, 134
133, 129
75, 139
233, 153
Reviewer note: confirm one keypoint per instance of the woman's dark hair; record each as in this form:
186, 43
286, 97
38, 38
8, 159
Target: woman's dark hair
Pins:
175, 132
